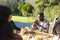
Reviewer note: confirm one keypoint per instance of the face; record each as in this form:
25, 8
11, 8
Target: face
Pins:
10, 17
41, 17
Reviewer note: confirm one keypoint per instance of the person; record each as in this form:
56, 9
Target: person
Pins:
15, 27
56, 29
43, 22
6, 28
36, 26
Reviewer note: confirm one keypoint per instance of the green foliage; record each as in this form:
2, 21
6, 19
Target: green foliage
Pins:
40, 6
12, 4
20, 4
54, 1
51, 8
25, 8
52, 12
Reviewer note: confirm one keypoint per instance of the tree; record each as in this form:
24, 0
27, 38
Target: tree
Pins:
25, 8
40, 5
20, 4
52, 12
50, 8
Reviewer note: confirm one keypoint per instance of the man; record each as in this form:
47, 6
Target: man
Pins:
43, 22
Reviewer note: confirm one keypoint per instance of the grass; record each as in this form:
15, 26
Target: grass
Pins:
23, 19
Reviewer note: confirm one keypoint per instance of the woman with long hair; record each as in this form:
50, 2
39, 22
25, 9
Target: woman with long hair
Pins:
56, 29
6, 28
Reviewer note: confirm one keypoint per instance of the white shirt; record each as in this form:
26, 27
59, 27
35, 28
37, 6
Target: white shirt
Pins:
36, 27
55, 38
44, 24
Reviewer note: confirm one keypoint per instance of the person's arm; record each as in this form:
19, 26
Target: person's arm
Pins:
13, 24
15, 27
46, 27
20, 38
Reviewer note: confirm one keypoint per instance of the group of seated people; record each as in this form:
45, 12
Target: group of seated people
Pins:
8, 28
43, 26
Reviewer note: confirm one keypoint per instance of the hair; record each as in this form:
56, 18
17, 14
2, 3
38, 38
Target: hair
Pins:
5, 12
41, 13
6, 29
56, 29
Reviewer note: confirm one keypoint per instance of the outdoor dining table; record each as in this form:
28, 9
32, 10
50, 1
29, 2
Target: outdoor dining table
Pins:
37, 35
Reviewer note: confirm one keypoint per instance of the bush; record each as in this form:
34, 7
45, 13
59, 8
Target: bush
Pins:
52, 12
25, 8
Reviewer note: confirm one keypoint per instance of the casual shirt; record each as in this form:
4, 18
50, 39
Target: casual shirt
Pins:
44, 24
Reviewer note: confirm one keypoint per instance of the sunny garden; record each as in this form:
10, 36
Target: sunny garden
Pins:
25, 12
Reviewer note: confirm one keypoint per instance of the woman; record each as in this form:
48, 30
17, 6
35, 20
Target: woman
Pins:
56, 29
6, 28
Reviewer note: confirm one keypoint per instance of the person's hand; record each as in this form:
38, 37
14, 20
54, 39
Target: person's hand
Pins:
45, 31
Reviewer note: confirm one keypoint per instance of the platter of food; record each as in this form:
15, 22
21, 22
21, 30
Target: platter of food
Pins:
31, 33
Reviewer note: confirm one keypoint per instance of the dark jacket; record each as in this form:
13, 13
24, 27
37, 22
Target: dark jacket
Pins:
14, 26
